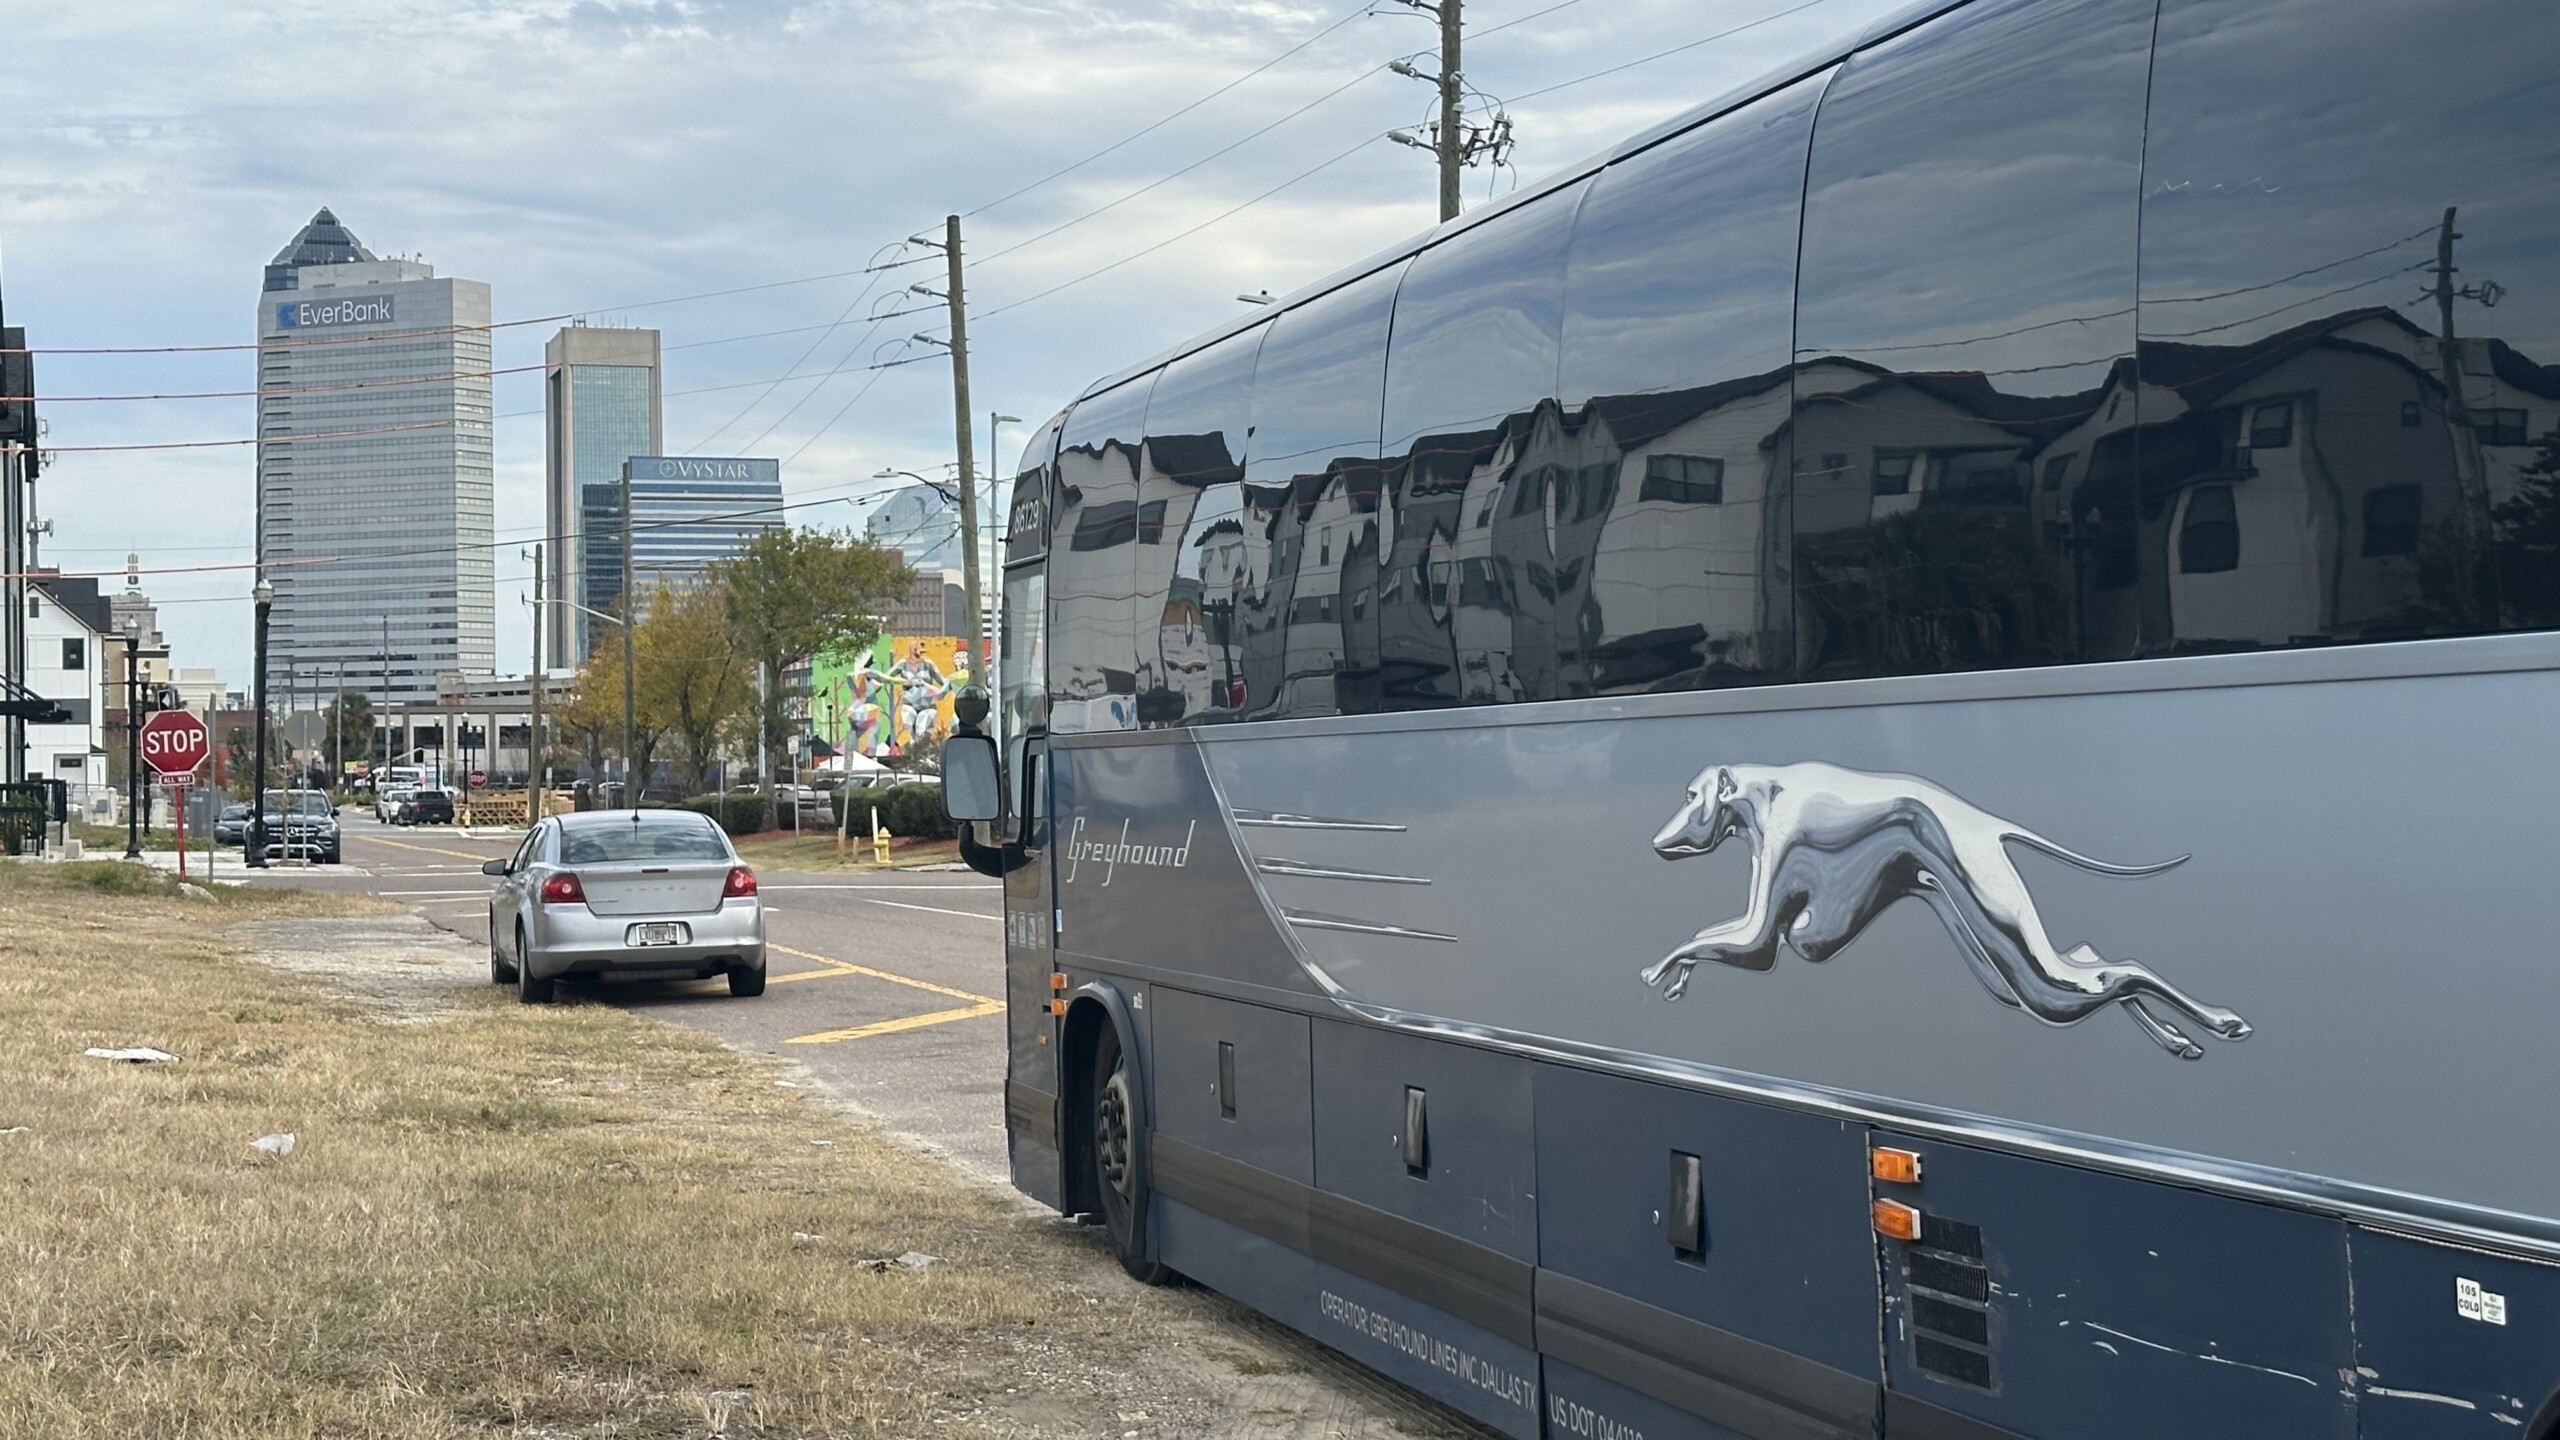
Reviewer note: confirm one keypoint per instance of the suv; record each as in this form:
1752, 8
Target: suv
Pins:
301, 823
386, 801
425, 805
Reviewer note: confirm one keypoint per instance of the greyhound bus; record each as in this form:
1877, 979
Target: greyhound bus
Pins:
1881, 765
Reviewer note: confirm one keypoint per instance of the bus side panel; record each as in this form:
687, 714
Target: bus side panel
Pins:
1462, 1365
1778, 1255
1582, 1406
1233, 1079
2450, 1343
2050, 1300
1477, 1179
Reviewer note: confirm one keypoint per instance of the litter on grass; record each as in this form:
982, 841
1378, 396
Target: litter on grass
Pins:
912, 1260
136, 1055
276, 1145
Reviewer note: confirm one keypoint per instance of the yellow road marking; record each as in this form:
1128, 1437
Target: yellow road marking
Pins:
425, 849
891, 1027
847, 967
978, 1004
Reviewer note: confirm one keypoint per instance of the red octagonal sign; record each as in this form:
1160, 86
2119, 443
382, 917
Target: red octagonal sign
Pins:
175, 742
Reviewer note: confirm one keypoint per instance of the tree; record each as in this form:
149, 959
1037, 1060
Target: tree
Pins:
594, 714
690, 677
791, 594
349, 719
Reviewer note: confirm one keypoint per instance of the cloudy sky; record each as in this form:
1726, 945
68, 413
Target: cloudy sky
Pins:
603, 157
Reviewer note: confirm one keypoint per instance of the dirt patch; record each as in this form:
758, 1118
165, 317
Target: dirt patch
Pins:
508, 1220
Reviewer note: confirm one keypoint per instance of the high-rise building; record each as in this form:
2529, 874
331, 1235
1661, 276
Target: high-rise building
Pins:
921, 523
600, 407
687, 513
374, 521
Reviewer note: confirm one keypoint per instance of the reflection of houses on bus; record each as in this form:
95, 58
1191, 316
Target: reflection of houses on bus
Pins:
2309, 484
1093, 651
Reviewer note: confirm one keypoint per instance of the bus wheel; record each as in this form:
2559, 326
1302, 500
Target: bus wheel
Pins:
1115, 1167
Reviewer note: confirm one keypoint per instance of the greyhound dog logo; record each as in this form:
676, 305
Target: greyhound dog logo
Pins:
1832, 848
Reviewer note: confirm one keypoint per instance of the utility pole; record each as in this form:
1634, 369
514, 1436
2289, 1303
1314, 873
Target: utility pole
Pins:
2477, 587
1453, 139
969, 576
631, 622
1453, 143
533, 731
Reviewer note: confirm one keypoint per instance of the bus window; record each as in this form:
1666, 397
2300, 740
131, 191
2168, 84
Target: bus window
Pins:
1093, 640
1469, 374
1313, 456
1678, 324
1967, 309
2304, 185
1192, 572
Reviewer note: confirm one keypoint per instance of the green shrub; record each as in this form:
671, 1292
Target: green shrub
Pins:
914, 811
738, 814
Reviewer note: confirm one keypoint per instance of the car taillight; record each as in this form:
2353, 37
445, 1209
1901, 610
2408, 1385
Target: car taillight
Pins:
563, 889
741, 886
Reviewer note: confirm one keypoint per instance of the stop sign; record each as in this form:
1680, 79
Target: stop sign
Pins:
479, 779
175, 743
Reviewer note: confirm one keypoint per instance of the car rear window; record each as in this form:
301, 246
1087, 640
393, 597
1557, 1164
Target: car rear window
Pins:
687, 839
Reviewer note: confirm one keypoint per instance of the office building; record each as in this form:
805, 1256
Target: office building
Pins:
600, 408
920, 523
374, 521
687, 513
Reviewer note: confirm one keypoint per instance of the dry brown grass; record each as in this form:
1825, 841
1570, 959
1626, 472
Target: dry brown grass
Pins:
500, 1220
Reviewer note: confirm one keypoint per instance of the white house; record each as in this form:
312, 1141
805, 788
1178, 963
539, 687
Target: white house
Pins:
68, 624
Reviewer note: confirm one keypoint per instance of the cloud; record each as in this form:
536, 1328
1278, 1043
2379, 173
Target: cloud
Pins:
592, 156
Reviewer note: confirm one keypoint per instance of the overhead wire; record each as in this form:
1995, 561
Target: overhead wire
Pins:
1364, 8
1804, 5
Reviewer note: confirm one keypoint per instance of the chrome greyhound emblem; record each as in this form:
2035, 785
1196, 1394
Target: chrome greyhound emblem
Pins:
1832, 848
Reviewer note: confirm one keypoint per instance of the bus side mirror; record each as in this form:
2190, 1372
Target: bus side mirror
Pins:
972, 780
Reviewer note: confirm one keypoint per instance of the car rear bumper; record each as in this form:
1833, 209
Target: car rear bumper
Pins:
573, 940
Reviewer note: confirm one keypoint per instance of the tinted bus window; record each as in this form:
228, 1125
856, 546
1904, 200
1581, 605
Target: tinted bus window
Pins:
1193, 570
1471, 367
1312, 459
1964, 323
1093, 539
2373, 451
1679, 323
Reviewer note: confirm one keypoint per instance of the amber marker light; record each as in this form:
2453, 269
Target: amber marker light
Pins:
1894, 1167
1057, 980
1897, 1220
1057, 1007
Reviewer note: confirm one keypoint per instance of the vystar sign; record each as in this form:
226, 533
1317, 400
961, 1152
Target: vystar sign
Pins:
321, 314
670, 467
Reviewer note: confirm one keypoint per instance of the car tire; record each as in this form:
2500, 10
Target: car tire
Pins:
744, 983
500, 972
529, 991
1117, 1176
334, 856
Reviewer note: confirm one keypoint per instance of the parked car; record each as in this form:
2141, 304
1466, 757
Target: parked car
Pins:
621, 891
302, 824
425, 805
231, 827
386, 801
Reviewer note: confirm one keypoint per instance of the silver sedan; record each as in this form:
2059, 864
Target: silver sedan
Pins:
627, 892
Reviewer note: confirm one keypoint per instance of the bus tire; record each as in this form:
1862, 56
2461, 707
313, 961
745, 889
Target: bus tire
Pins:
1117, 1175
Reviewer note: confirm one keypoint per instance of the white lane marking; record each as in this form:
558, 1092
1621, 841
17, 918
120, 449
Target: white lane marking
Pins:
842, 885
936, 910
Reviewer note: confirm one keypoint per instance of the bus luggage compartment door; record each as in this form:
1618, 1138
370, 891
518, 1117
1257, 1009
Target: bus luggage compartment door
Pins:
2046, 1299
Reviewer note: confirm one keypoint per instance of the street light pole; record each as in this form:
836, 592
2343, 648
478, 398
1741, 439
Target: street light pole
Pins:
995, 539
264, 595
133, 738
630, 608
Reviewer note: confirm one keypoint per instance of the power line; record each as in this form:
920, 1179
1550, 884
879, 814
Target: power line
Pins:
1354, 14
1186, 234
1178, 174
1674, 50
867, 287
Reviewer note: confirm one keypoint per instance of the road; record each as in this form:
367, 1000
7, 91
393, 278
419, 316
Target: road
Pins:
885, 986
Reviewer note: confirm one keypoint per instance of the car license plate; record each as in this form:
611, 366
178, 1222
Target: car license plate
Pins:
658, 933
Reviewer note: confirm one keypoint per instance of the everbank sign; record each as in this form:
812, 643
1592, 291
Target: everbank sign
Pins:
320, 314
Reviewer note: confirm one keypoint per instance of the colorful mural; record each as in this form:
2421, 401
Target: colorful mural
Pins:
889, 697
